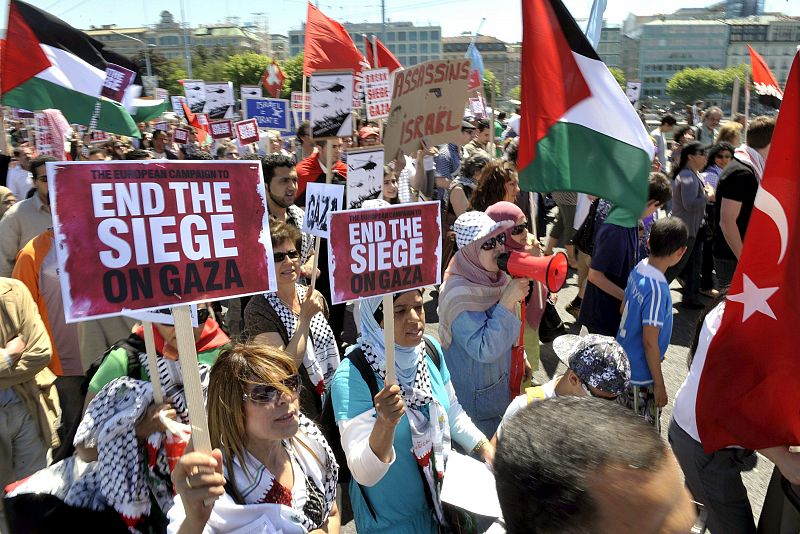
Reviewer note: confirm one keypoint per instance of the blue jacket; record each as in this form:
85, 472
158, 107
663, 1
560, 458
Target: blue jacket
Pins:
479, 360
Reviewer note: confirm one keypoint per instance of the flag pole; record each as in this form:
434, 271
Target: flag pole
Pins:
746, 105
375, 52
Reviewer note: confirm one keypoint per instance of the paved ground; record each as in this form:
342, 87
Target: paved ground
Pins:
674, 368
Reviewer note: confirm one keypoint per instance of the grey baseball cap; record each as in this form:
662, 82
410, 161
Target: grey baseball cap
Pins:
598, 360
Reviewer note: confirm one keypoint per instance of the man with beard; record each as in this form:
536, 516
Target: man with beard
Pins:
27, 219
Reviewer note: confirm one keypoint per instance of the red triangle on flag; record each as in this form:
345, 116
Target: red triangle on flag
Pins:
23, 57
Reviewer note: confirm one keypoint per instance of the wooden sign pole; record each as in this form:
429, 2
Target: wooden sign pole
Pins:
534, 210
317, 239
187, 356
388, 338
152, 366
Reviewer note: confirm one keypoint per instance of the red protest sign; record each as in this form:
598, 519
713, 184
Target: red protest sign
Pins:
180, 135
221, 129
247, 131
384, 250
149, 234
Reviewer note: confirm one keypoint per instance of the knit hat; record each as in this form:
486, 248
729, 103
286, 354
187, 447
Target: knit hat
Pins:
472, 226
374, 203
598, 360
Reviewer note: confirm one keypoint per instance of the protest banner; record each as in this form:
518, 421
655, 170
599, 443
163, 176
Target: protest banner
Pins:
633, 91
331, 104
18, 114
364, 175
149, 234
321, 201
161, 315
384, 250
250, 91
163, 126
298, 104
247, 131
378, 93
220, 101
117, 80
99, 137
203, 121
180, 136
269, 113
177, 108
195, 93
46, 138
427, 103
476, 107
161, 94
221, 129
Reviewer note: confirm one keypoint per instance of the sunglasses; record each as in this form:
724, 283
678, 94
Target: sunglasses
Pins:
279, 257
267, 394
202, 315
588, 390
493, 242
518, 229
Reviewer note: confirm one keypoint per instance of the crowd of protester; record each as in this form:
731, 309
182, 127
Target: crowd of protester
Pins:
307, 433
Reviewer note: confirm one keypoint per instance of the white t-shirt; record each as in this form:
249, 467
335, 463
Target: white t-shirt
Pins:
19, 181
686, 397
519, 402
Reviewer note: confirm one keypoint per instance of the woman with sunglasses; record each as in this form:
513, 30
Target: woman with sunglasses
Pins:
295, 319
518, 239
397, 441
478, 324
272, 470
718, 158
689, 199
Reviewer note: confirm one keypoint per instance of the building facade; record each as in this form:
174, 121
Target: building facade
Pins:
499, 57
775, 38
410, 44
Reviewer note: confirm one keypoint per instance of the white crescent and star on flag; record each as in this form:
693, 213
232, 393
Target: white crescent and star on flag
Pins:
754, 298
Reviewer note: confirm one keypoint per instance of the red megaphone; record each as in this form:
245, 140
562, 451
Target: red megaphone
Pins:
549, 270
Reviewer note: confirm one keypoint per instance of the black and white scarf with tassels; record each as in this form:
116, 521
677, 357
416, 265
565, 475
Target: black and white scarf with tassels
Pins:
430, 433
322, 354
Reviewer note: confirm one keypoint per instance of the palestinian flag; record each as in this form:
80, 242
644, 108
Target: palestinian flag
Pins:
767, 88
578, 131
46, 64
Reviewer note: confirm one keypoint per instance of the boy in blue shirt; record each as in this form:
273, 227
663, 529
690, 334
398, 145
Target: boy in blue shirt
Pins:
646, 325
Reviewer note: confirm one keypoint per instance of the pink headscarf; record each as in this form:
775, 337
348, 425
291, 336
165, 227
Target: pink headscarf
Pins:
508, 211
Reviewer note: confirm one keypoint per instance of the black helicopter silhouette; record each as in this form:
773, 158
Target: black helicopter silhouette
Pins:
218, 91
333, 88
368, 166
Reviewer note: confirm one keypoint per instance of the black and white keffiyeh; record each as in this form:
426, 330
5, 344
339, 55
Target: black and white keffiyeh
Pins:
320, 475
322, 354
295, 216
430, 432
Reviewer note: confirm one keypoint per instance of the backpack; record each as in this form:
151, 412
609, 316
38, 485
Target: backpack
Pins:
133, 345
327, 420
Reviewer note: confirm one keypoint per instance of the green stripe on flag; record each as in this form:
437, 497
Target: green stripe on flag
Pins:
576, 158
146, 113
38, 94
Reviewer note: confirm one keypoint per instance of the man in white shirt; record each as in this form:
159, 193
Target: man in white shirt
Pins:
19, 178
668, 122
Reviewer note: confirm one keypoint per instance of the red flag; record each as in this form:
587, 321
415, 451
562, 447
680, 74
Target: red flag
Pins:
368, 49
273, 79
385, 57
192, 119
328, 45
749, 391
767, 88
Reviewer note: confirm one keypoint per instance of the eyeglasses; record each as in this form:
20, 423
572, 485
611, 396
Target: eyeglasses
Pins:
588, 390
279, 257
202, 315
518, 229
493, 242
267, 394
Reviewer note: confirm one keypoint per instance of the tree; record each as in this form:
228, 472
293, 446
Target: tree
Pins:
490, 83
169, 80
690, 85
515, 92
245, 69
293, 70
618, 75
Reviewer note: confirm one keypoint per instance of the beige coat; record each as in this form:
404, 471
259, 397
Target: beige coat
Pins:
29, 377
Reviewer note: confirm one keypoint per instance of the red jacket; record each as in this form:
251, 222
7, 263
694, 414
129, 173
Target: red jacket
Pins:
310, 169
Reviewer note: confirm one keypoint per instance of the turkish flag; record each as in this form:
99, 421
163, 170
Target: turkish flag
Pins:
273, 79
749, 393
328, 46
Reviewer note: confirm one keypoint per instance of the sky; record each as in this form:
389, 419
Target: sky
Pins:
502, 17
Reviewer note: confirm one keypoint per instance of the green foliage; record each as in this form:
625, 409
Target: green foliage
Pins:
490, 84
245, 69
690, 85
619, 75
515, 93
293, 70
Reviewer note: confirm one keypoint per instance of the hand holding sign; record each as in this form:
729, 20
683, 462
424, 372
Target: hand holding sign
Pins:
321, 201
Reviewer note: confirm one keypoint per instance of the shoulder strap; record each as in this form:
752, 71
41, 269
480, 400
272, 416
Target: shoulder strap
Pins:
359, 361
534, 393
133, 345
431, 347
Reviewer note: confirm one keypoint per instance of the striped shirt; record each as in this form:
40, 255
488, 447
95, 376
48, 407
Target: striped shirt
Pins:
647, 303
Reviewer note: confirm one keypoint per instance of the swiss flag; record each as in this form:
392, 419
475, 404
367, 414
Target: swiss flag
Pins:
273, 79
328, 46
749, 392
